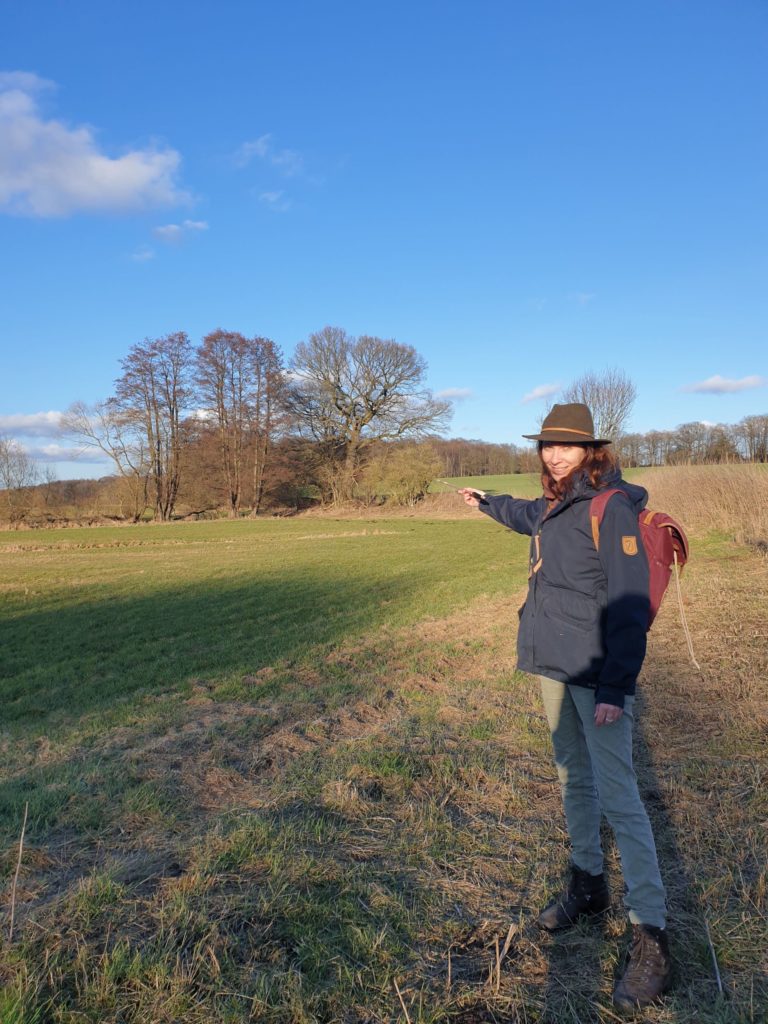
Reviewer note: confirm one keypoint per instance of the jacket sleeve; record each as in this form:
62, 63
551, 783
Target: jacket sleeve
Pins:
625, 625
519, 514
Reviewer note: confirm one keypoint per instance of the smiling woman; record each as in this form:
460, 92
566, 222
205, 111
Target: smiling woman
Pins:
582, 632
562, 459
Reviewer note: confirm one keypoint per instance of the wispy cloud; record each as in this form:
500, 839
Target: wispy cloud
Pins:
202, 415
455, 394
174, 233
288, 161
52, 169
718, 385
143, 254
25, 81
540, 392
583, 298
62, 453
35, 424
276, 201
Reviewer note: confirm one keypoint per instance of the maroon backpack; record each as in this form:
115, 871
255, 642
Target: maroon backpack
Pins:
663, 538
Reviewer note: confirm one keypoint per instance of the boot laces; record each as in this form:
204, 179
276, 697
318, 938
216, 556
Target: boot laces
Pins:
645, 956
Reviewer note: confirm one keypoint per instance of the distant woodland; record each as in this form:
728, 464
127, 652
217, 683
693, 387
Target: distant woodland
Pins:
227, 428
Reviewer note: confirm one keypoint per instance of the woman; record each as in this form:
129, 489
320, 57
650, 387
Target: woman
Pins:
582, 631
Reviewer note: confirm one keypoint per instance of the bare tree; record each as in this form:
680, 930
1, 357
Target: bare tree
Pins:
690, 442
656, 447
265, 409
610, 395
752, 434
239, 383
18, 475
119, 434
630, 449
349, 392
155, 388
223, 378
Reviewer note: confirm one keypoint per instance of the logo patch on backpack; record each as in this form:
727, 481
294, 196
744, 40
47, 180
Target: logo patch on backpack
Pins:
629, 545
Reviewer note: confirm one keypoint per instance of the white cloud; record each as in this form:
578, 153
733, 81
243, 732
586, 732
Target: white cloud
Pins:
203, 415
541, 391
36, 424
176, 232
455, 394
143, 254
583, 297
275, 201
24, 81
718, 385
288, 161
51, 169
60, 453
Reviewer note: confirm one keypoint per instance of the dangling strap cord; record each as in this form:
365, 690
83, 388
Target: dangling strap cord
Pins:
687, 631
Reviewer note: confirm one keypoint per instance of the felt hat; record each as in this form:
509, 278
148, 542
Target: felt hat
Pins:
568, 424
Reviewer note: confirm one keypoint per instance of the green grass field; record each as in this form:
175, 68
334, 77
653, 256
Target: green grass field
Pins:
520, 485
278, 771
95, 621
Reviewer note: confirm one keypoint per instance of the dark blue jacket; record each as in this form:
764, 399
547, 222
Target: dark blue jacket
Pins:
586, 615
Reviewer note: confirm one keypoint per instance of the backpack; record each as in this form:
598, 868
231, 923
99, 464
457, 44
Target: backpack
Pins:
663, 538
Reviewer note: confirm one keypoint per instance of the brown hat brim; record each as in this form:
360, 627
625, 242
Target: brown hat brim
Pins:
566, 435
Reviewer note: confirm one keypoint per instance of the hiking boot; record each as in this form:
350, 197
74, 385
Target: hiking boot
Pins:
649, 969
586, 896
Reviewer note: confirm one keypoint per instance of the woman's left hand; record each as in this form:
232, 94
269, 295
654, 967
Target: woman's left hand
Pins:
605, 714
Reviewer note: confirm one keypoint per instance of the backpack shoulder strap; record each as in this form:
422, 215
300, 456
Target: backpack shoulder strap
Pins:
597, 511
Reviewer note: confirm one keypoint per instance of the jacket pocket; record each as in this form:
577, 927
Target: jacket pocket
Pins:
568, 634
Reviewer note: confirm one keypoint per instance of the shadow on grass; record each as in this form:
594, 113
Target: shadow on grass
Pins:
85, 658
73, 674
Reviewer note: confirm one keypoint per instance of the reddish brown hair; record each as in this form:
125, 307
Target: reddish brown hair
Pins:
598, 462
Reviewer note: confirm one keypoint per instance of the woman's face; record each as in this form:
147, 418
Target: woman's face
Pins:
560, 459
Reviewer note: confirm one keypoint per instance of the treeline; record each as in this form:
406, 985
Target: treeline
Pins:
228, 426
697, 443
461, 457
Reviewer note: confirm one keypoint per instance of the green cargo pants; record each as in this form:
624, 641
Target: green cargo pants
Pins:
594, 765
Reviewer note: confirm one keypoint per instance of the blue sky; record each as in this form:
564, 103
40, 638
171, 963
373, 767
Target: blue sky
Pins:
523, 191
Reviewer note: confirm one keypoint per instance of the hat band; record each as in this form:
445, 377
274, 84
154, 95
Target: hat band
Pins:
567, 430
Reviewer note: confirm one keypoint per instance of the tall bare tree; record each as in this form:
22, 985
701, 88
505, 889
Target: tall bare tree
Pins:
610, 395
266, 408
690, 443
752, 433
18, 474
223, 379
119, 434
349, 392
155, 387
238, 384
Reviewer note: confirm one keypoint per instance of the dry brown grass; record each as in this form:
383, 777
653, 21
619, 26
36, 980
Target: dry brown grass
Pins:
730, 498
